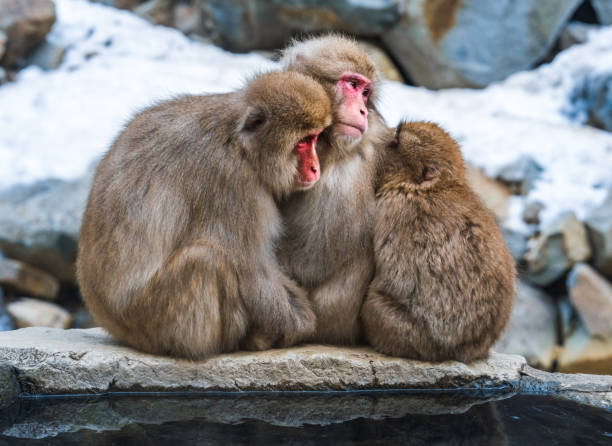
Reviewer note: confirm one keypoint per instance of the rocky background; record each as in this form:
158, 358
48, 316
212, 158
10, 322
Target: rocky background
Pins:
503, 64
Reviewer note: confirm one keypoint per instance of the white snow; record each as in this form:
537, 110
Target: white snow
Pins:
53, 124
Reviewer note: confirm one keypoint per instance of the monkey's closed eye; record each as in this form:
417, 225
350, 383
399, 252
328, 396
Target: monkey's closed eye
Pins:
254, 119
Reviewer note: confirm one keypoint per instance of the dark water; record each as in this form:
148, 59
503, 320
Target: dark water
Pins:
387, 418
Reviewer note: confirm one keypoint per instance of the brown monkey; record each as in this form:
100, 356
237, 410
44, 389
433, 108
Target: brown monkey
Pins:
444, 282
327, 246
177, 244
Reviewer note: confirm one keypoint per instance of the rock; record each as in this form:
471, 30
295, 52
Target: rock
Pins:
531, 213
27, 279
237, 25
26, 24
52, 361
599, 227
28, 312
2, 43
5, 320
516, 242
158, 12
120, 4
582, 353
591, 295
454, 43
3, 76
575, 33
39, 224
520, 175
590, 101
553, 252
9, 387
186, 19
603, 8
591, 390
383, 62
531, 330
494, 194
48, 56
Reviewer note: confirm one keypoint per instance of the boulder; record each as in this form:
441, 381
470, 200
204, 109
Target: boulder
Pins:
599, 226
51, 361
5, 320
381, 59
120, 4
28, 312
9, 387
40, 223
3, 76
159, 12
575, 33
48, 56
454, 43
603, 8
2, 43
583, 353
516, 242
240, 25
25, 24
556, 249
27, 279
591, 295
531, 213
531, 331
494, 194
590, 101
520, 175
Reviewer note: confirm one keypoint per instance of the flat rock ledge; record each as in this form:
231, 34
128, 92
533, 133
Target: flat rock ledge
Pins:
49, 361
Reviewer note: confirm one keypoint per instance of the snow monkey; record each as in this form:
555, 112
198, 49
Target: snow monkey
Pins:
327, 245
177, 244
444, 282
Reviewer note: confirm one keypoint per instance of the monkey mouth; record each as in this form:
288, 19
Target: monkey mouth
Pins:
352, 130
302, 185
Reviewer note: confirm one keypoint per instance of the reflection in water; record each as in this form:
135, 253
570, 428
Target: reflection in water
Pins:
337, 418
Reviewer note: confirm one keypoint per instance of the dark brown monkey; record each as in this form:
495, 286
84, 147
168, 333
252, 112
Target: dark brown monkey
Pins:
177, 244
444, 282
327, 246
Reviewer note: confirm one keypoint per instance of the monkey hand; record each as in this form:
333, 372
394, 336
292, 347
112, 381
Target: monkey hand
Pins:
302, 321
258, 340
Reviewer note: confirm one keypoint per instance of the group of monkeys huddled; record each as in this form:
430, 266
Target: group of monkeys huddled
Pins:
288, 212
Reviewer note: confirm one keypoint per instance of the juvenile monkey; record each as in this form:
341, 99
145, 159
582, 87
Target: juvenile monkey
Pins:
176, 254
327, 246
444, 282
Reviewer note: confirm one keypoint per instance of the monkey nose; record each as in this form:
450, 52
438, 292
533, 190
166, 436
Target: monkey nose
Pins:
313, 169
363, 111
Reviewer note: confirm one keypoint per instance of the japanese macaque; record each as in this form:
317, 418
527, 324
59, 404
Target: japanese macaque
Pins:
177, 244
327, 246
444, 282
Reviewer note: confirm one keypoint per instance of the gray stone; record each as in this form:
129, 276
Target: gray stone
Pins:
603, 8
381, 59
494, 194
9, 387
40, 223
28, 312
520, 175
575, 33
2, 43
531, 213
599, 226
591, 295
158, 12
48, 56
51, 361
590, 101
28, 280
556, 249
3, 76
583, 353
516, 242
25, 24
5, 320
531, 330
241, 25
120, 4
186, 18
456, 43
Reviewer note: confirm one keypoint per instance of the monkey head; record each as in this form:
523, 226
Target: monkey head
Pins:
284, 113
420, 156
349, 77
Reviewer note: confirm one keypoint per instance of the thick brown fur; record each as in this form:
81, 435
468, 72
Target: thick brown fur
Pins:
445, 280
177, 254
327, 246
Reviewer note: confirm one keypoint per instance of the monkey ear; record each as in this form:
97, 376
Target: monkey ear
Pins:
430, 171
253, 119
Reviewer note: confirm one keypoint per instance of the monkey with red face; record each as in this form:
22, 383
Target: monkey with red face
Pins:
176, 254
327, 245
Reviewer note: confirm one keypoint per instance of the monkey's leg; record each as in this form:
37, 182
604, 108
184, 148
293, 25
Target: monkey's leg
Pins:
337, 303
279, 310
191, 306
389, 329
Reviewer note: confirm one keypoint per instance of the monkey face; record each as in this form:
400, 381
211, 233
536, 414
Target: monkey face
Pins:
286, 113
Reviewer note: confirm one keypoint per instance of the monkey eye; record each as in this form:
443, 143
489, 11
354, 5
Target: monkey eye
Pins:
366, 92
353, 83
